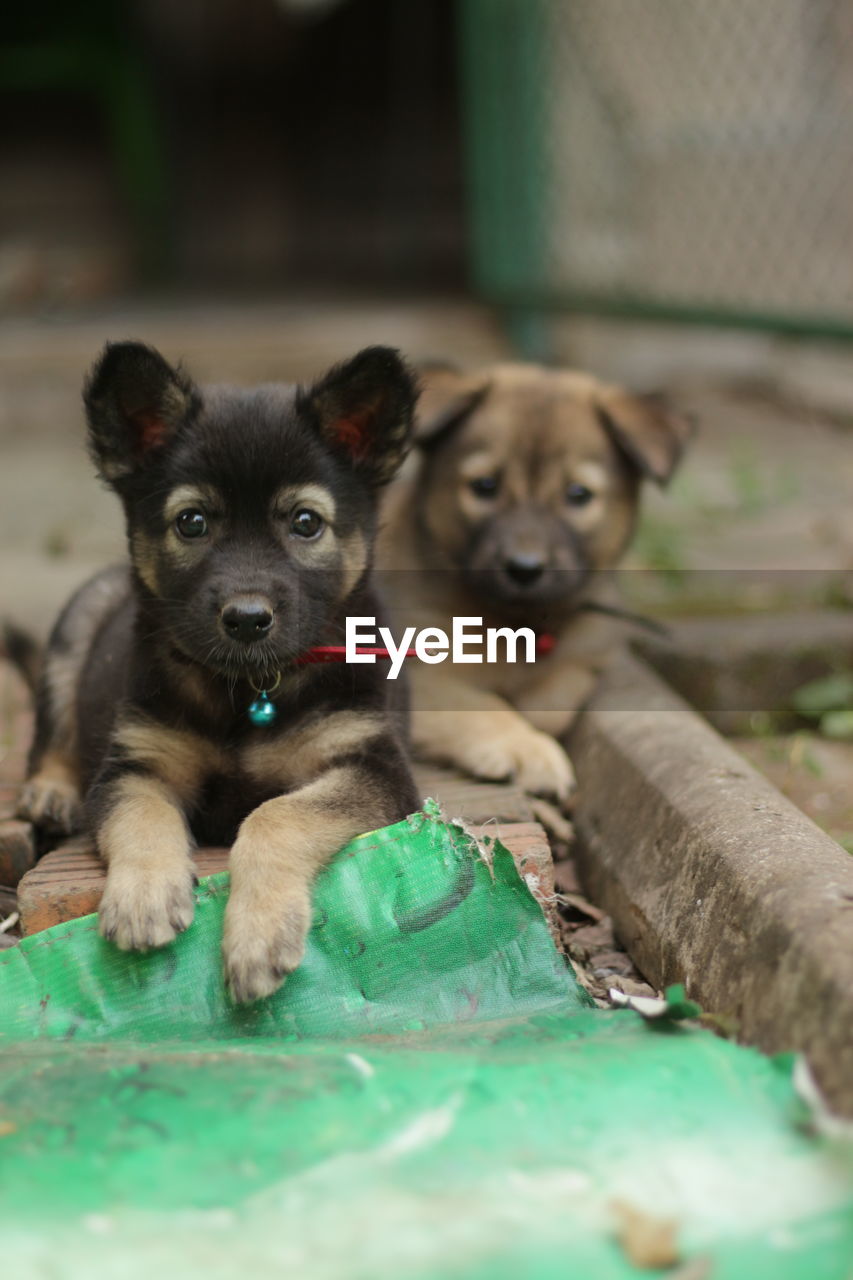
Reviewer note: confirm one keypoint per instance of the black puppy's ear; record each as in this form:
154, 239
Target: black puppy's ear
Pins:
448, 398
364, 409
649, 431
135, 403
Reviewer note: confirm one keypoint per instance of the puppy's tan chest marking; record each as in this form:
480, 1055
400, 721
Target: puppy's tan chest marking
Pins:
294, 758
180, 758
186, 761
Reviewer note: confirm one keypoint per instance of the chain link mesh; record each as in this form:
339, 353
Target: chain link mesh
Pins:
688, 152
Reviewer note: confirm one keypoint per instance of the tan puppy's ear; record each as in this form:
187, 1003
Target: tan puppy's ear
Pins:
649, 431
448, 396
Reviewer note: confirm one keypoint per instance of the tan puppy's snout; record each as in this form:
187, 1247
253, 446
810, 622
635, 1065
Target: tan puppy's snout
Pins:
521, 547
524, 568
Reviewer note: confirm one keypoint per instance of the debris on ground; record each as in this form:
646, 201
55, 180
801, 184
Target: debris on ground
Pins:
10, 920
587, 940
672, 1006
649, 1242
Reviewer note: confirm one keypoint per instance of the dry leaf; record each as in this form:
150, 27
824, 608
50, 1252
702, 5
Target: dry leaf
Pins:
648, 1242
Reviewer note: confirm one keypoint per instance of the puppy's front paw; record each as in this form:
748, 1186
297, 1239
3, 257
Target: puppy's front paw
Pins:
535, 760
261, 947
52, 804
142, 909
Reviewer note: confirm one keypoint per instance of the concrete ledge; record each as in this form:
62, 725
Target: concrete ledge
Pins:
713, 878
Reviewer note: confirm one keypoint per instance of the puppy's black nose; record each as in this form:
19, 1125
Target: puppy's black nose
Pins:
247, 618
524, 569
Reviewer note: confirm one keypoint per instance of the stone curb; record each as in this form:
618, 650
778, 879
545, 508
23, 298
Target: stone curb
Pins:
713, 878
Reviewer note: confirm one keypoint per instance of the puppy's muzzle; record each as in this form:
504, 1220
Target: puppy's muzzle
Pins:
247, 618
524, 570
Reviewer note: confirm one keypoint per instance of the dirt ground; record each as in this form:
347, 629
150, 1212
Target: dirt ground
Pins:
816, 774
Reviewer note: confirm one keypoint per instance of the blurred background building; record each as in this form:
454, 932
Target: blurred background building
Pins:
671, 159
254, 146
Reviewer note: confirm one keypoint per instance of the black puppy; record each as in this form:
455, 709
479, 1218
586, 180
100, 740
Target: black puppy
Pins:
175, 702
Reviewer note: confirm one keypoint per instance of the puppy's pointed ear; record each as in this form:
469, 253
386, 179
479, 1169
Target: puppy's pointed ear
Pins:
135, 404
363, 409
448, 398
648, 430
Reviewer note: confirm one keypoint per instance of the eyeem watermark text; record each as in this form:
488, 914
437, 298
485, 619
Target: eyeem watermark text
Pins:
468, 642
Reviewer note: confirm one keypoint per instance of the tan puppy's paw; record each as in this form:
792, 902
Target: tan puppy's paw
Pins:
51, 803
543, 767
534, 760
144, 908
261, 947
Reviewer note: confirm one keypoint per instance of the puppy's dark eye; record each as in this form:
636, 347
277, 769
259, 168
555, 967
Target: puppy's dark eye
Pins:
577, 495
191, 523
306, 523
485, 486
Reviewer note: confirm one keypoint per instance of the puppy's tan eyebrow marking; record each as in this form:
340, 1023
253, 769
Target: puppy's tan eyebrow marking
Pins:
308, 495
190, 495
477, 464
592, 474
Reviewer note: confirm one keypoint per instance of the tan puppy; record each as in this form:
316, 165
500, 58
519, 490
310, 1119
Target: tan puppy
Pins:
523, 501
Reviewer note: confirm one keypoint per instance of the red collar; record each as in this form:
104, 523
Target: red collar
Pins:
338, 653
545, 642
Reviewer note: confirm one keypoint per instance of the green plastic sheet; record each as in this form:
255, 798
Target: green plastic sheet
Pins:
431, 1094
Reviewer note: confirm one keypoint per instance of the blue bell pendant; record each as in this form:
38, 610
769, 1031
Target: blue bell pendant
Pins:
262, 711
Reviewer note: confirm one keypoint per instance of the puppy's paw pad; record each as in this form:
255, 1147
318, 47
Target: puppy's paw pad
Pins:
142, 913
258, 955
52, 805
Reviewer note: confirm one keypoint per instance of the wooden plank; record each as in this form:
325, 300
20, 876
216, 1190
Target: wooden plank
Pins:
69, 882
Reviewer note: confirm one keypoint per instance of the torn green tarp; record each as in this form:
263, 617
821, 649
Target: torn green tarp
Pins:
431, 1095
411, 929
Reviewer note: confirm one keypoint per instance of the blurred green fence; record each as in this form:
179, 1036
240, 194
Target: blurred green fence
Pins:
687, 160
